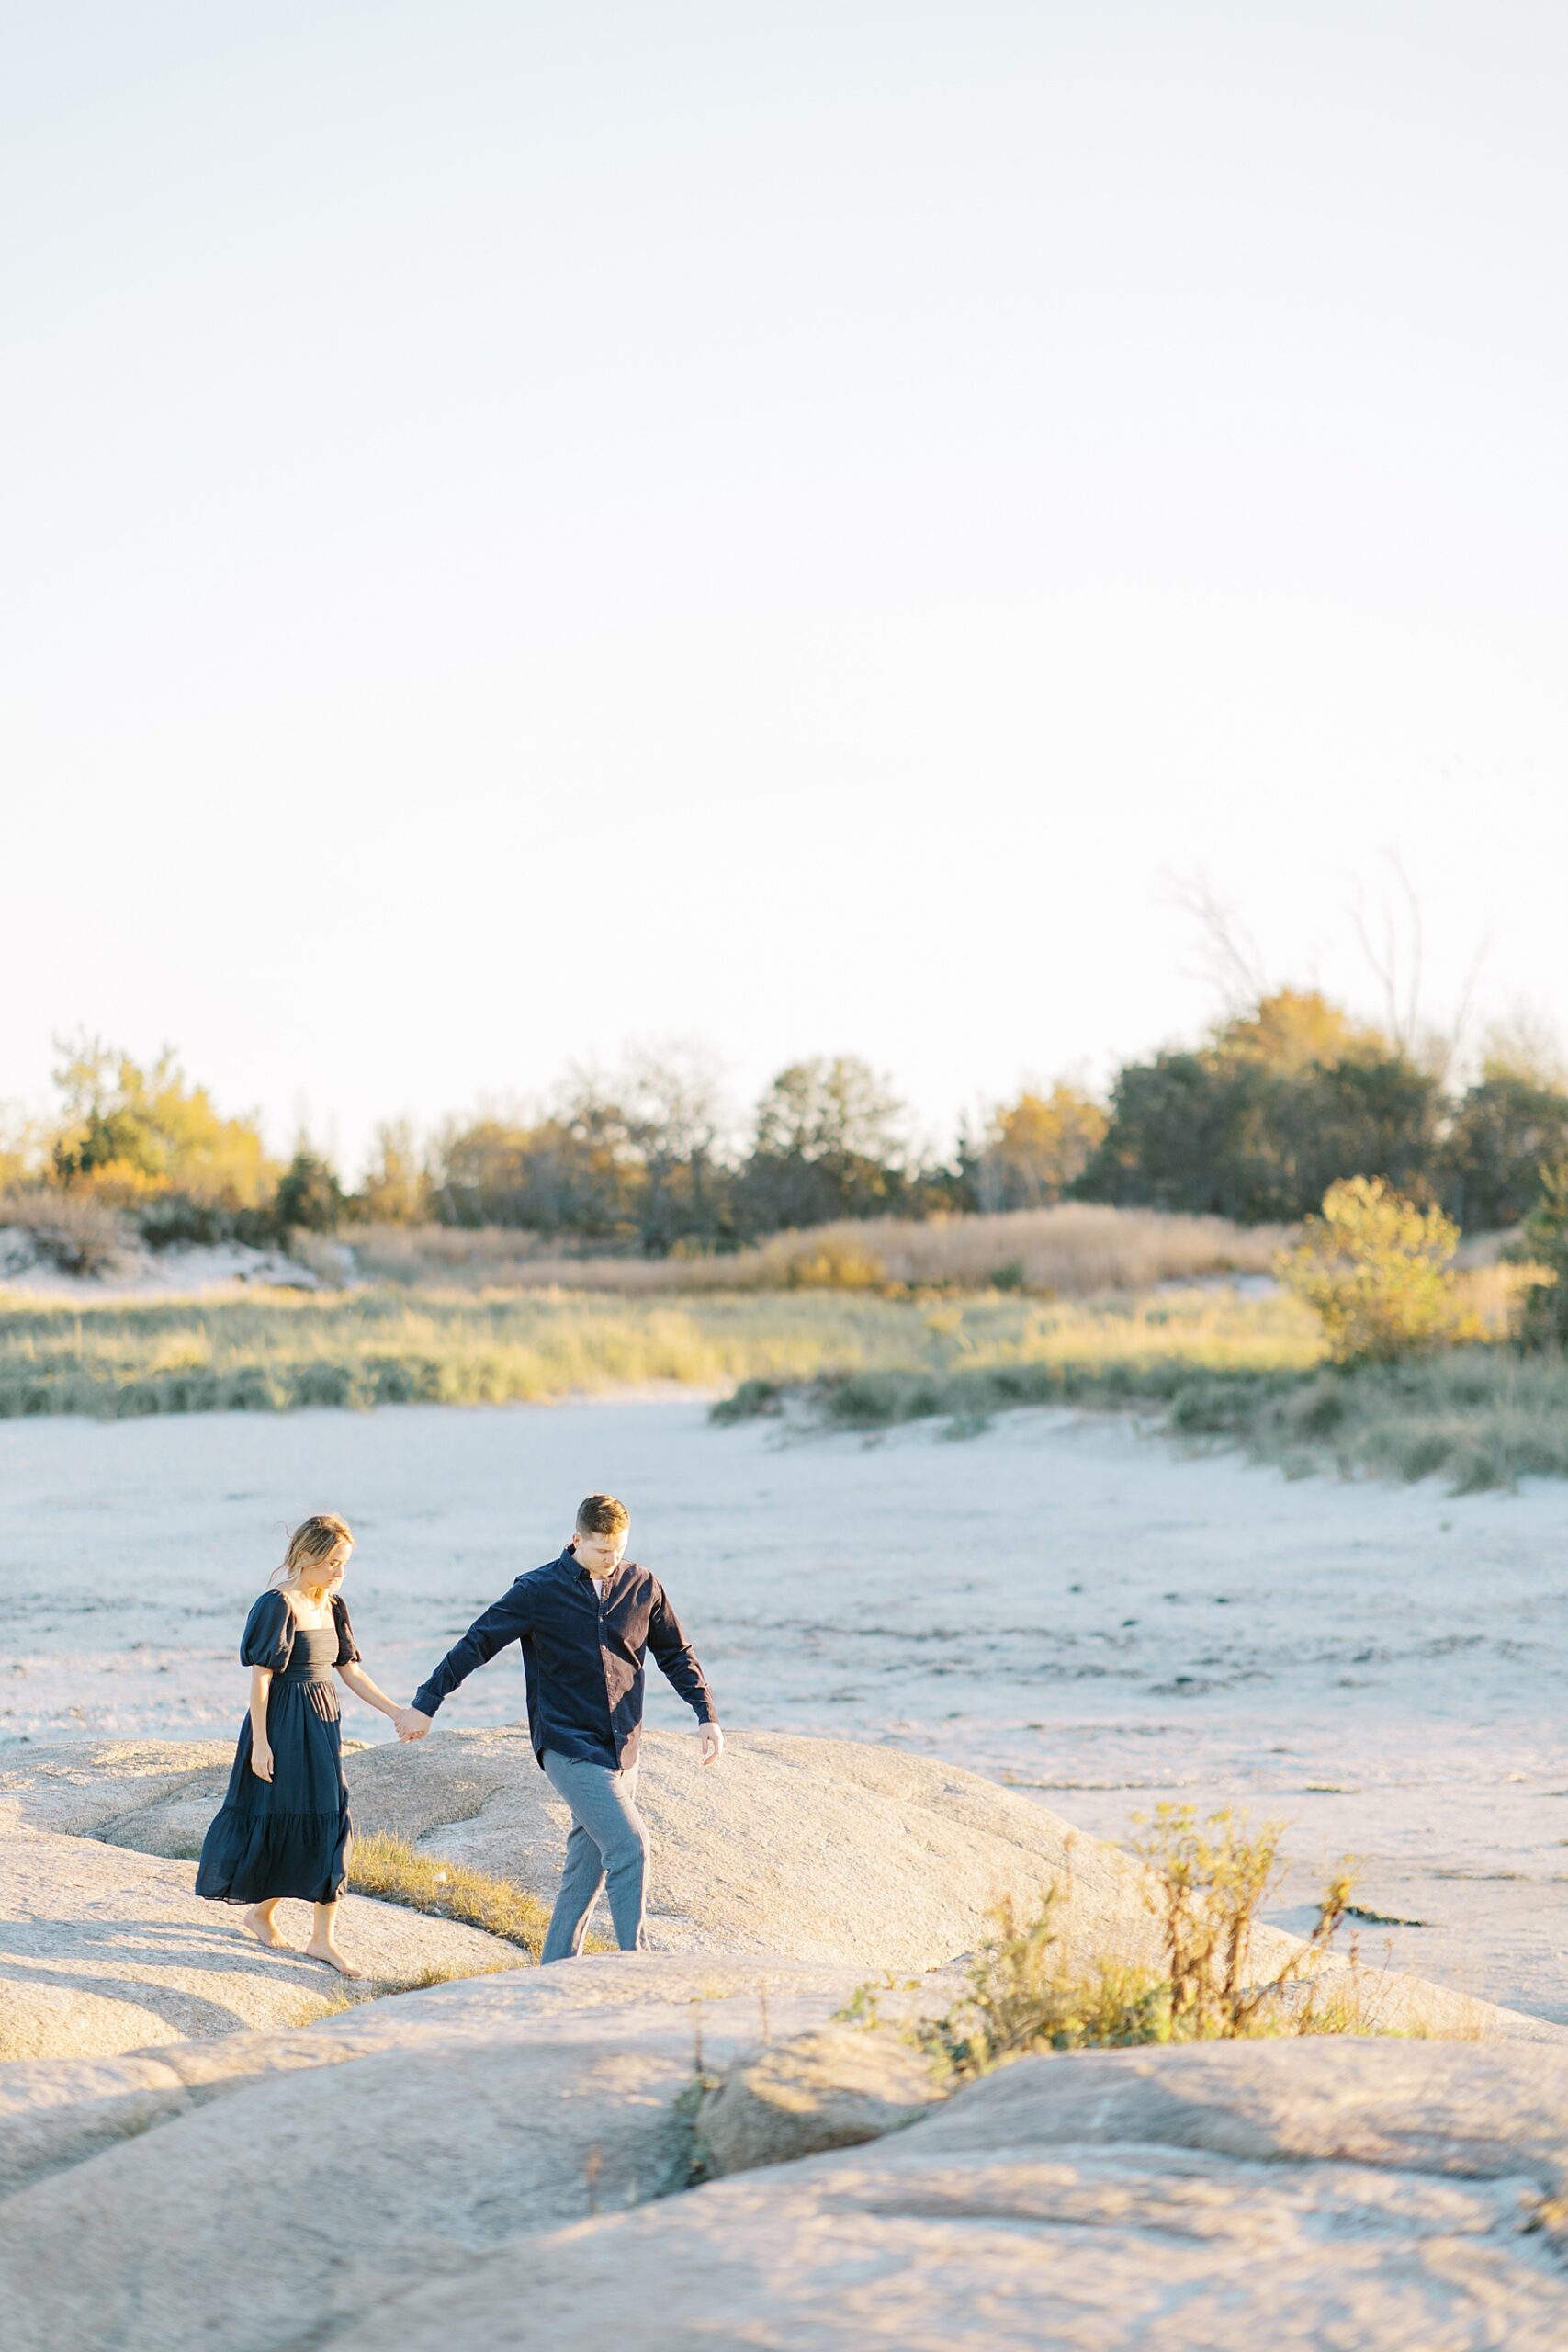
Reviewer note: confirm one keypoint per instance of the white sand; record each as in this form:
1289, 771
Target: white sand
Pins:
197, 1269
1060, 1602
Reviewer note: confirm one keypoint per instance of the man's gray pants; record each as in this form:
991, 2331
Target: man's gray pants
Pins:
608, 1847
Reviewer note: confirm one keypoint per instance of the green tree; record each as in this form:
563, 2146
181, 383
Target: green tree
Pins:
1507, 1132
1034, 1149
1524, 1044
1176, 1138
396, 1190
1377, 1269
571, 1174
1256, 1123
1291, 1030
1543, 1308
639, 1157
148, 1123
309, 1195
828, 1143
23, 1149
1381, 1117
675, 1123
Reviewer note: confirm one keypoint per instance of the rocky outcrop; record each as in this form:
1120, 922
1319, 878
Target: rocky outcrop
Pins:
823, 1849
173, 2207
827, 1849
101, 1788
507, 2159
832, 2088
1287, 2195
103, 1950
491, 2149
832, 1850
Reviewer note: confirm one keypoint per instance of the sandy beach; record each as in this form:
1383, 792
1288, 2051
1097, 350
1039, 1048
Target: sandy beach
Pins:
1061, 1602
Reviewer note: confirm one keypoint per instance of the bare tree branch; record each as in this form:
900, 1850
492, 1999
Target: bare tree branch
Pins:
1232, 959
1398, 965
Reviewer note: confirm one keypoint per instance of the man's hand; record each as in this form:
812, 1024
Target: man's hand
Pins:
713, 1742
410, 1724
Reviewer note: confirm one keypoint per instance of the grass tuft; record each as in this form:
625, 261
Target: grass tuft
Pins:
394, 1871
1478, 1417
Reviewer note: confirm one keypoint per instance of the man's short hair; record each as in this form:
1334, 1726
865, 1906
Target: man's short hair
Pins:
602, 1515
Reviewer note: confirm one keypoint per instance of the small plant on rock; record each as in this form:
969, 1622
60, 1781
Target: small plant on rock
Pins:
1206, 1886
1208, 1881
1021, 1999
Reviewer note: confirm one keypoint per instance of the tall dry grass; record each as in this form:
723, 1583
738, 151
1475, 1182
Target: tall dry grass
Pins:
394, 1871
1216, 1363
1072, 1251
361, 1348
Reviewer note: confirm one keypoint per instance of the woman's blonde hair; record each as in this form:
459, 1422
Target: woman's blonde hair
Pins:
321, 1542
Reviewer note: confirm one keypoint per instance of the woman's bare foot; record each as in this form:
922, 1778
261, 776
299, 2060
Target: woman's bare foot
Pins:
331, 1957
259, 1923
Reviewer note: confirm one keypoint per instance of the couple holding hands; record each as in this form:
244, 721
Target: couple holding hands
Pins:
585, 1623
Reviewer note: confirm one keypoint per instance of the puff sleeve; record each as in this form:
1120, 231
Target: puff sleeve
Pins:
347, 1648
268, 1639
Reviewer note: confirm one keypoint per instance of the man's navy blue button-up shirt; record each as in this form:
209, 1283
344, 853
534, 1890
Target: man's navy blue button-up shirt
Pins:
584, 1643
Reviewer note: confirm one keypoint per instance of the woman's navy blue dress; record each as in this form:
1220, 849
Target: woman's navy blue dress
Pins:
289, 1835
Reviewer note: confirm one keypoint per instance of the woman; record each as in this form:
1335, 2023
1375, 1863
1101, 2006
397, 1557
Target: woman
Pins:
285, 1829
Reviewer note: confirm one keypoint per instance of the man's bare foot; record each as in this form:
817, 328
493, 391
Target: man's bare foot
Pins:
264, 1931
331, 1957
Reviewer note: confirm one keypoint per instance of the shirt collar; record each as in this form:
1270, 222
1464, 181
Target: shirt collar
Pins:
573, 1567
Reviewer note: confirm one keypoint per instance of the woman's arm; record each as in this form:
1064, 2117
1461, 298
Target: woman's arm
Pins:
261, 1748
359, 1682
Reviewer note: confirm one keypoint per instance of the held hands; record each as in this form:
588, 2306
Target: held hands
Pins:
410, 1724
261, 1760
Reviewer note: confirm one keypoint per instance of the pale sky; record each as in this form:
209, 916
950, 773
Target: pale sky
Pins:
530, 527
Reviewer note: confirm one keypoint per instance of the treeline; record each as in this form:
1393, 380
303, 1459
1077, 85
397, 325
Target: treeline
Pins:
1280, 1103
1253, 1123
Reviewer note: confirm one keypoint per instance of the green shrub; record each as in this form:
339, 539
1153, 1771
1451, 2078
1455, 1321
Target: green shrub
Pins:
309, 1195
751, 1401
1208, 1882
1376, 1270
1543, 1244
168, 1218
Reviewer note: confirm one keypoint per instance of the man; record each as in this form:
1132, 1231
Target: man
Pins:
586, 1623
